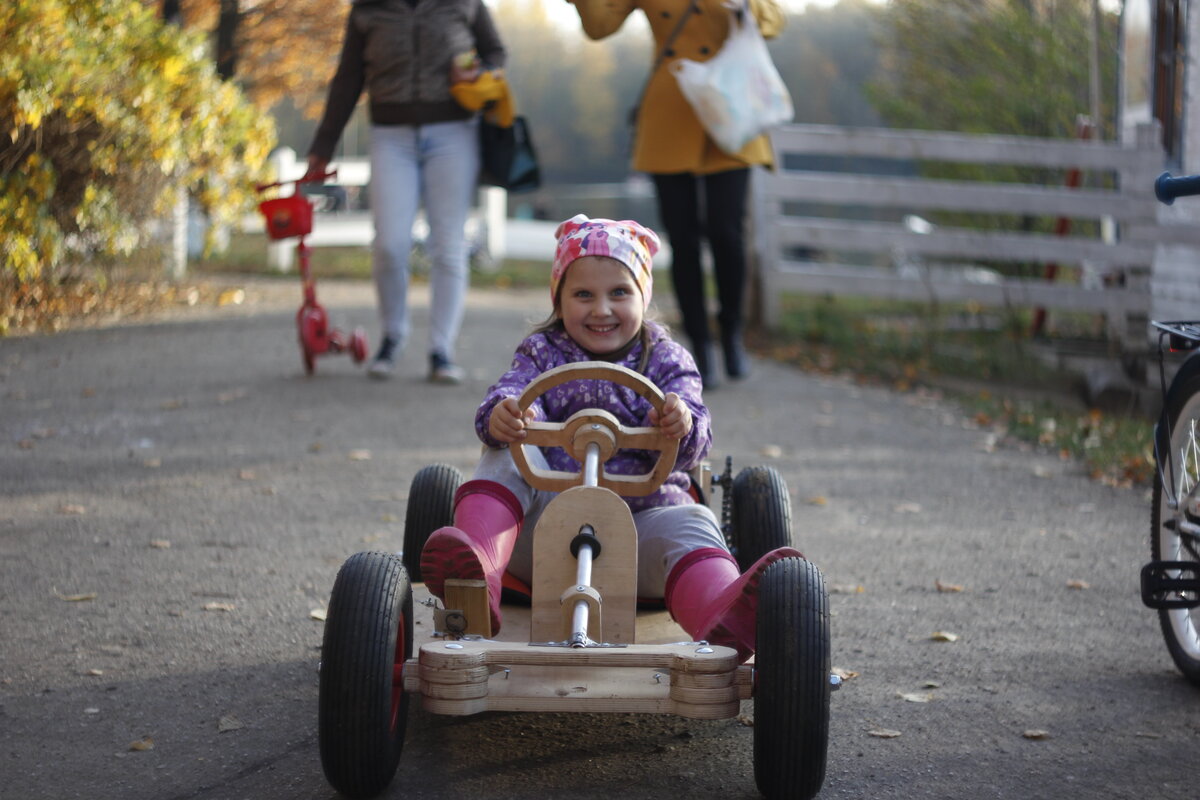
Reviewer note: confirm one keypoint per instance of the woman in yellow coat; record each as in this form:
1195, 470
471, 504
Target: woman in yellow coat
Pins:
702, 190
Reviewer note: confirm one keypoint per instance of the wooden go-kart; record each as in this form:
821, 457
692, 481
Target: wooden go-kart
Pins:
582, 645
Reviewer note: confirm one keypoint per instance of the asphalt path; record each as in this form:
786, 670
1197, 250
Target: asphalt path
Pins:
176, 498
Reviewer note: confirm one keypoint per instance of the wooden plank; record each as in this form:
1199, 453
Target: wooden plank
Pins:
614, 572
838, 235
954, 147
812, 278
687, 680
471, 598
876, 191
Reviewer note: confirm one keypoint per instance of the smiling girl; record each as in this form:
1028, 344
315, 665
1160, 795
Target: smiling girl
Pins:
600, 287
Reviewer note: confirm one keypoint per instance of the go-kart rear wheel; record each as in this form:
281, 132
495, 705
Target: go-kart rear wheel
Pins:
791, 678
762, 514
430, 506
363, 709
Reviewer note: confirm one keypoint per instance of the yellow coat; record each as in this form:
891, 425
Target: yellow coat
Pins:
670, 138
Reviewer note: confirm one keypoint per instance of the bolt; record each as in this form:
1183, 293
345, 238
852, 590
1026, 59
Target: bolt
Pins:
704, 650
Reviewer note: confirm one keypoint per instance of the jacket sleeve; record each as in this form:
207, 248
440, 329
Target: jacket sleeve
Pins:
675, 371
602, 18
344, 91
524, 369
487, 40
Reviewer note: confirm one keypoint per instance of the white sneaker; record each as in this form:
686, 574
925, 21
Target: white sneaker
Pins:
384, 363
442, 370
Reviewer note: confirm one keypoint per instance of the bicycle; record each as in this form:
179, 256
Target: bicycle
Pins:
1170, 583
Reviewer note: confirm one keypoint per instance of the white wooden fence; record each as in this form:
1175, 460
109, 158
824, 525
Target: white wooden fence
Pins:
835, 250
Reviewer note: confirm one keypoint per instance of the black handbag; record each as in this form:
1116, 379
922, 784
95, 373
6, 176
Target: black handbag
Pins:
506, 156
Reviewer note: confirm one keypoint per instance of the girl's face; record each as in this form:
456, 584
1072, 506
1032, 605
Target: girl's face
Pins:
600, 304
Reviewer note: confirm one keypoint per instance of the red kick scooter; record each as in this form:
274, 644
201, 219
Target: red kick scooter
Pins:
291, 216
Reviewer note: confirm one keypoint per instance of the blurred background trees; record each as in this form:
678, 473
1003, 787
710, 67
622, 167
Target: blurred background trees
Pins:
106, 104
105, 112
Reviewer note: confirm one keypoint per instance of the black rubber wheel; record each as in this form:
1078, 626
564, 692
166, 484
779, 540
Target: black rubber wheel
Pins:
1181, 414
430, 506
791, 679
761, 518
363, 709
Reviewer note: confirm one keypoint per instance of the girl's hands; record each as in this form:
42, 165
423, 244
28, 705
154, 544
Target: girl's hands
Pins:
506, 422
676, 418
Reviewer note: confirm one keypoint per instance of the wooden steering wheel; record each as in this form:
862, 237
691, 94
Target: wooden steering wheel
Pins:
594, 425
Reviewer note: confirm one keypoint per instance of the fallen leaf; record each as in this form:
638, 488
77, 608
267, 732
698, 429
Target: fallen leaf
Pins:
228, 397
152, 463
817, 501
94, 673
172, 405
91, 710
25, 444
229, 723
247, 475
318, 614
914, 697
771, 451
1148, 735
76, 598
71, 508
1041, 471
908, 508
1036, 733
931, 685
948, 587
233, 297
145, 743
1078, 584
943, 636
745, 721
160, 544
216, 606
315, 447
846, 588
883, 733
844, 674
360, 455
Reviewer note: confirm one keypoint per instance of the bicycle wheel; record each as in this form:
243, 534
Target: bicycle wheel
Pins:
430, 506
762, 514
1181, 415
363, 708
791, 675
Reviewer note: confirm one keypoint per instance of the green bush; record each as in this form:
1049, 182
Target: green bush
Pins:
106, 112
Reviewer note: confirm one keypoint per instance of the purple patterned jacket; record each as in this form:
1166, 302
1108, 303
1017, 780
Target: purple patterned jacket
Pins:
671, 368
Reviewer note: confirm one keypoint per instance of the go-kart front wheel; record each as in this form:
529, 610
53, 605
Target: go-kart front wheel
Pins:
430, 506
791, 681
363, 709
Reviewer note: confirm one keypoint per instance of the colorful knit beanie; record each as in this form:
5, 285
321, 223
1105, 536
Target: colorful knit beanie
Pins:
629, 242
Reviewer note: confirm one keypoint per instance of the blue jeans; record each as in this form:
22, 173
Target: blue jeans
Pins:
435, 166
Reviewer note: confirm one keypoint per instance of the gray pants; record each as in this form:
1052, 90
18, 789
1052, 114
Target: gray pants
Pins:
665, 534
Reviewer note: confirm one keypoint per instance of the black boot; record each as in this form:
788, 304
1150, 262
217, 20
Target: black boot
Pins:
737, 363
706, 363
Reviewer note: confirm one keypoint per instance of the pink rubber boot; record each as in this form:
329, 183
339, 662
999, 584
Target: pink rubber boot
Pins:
712, 602
487, 520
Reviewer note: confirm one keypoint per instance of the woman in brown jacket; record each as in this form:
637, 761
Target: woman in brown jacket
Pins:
701, 189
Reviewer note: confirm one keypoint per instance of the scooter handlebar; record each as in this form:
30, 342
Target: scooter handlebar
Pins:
262, 187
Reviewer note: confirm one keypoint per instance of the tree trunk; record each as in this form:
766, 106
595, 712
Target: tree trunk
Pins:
227, 26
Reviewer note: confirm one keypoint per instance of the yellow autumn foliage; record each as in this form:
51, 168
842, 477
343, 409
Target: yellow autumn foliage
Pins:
104, 113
